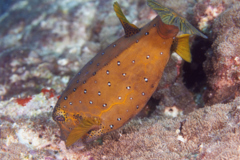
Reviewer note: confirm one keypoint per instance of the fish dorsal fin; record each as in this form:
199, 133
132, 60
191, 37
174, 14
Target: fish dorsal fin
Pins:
181, 46
170, 17
86, 125
129, 28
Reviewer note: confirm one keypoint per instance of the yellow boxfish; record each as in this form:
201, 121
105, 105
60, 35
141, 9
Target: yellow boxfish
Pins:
117, 83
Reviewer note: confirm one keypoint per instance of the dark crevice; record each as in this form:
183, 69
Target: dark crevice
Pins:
149, 108
194, 76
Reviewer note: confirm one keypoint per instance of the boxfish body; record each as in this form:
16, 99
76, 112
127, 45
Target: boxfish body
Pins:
117, 83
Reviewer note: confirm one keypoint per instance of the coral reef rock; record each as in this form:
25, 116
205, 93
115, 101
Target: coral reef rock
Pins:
223, 62
207, 133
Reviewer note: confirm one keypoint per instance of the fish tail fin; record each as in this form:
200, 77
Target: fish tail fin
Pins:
181, 46
170, 17
86, 125
129, 28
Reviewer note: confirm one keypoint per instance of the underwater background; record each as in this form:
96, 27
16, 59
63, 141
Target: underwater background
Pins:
194, 113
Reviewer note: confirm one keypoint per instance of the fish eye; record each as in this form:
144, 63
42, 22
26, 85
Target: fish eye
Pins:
60, 118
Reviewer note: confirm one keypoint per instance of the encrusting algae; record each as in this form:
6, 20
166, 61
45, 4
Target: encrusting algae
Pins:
116, 84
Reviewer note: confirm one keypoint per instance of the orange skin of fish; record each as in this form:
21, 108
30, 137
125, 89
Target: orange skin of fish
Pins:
132, 66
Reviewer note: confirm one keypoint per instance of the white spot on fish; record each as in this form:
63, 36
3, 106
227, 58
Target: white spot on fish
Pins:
104, 105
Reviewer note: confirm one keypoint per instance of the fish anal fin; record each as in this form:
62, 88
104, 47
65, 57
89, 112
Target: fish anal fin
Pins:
129, 28
182, 47
86, 125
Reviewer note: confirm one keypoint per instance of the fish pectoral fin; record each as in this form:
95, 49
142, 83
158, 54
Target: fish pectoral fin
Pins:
129, 28
82, 129
183, 48
170, 17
